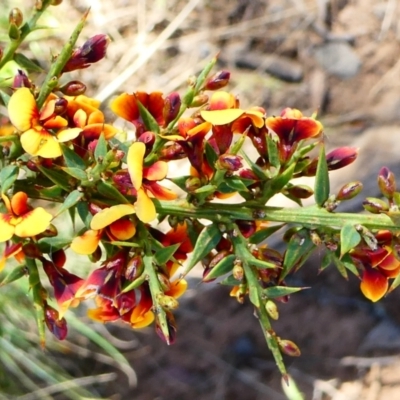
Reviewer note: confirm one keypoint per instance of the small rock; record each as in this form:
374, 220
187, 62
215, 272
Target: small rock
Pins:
338, 59
280, 67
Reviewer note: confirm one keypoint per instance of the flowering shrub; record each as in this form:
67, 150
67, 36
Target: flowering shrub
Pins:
58, 147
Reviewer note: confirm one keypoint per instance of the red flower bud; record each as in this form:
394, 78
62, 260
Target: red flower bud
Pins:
349, 191
21, 80
300, 191
58, 327
218, 80
93, 50
148, 138
387, 182
230, 162
60, 107
134, 268
341, 157
289, 348
59, 258
172, 105
73, 88
374, 205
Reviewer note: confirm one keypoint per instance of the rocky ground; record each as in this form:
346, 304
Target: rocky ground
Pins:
339, 57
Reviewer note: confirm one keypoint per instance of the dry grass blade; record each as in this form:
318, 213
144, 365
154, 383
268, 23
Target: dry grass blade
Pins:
117, 82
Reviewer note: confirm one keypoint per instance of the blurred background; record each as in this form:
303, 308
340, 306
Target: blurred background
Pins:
337, 57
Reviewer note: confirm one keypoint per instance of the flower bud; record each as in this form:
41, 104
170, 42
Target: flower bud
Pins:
289, 348
341, 157
73, 88
218, 80
58, 327
300, 191
193, 183
349, 190
96, 255
60, 106
59, 258
217, 258
51, 231
170, 339
31, 250
148, 138
93, 50
21, 80
16, 17
272, 309
199, 100
387, 182
247, 228
238, 272
38, 5
134, 268
229, 162
167, 302
374, 205
164, 282
55, 2
172, 105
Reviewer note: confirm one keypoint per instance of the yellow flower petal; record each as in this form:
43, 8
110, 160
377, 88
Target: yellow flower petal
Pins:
157, 171
135, 163
68, 134
87, 243
145, 209
6, 229
22, 109
177, 288
109, 215
40, 143
33, 223
221, 117
143, 321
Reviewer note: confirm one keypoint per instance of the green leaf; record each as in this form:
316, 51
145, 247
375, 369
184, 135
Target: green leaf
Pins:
180, 181
26, 63
322, 186
57, 177
71, 200
208, 238
221, 268
75, 173
299, 248
280, 291
230, 281
204, 73
235, 148
101, 148
109, 191
273, 153
84, 213
8, 175
235, 183
211, 155
348, 263
16, 273
349, 238
326, 260
51, 244
149, 121
72, 159
54, 192
394, 284
4, 97
263, 234
165, 254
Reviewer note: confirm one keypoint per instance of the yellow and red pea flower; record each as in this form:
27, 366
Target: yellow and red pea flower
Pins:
144, 180
21, 219
126, 106
291, 127
36, 127
379, 265
113, 221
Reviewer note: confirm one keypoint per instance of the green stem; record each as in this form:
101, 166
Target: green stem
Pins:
51, 80
154, 284
26, 29
312, 216
38, 296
